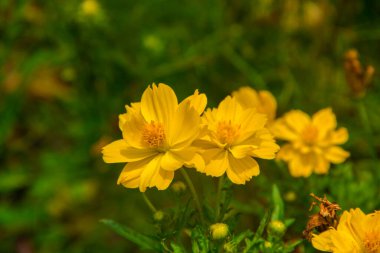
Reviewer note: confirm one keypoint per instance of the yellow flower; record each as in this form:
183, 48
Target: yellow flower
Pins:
232, 137
312, 141
90, 7
263, 101
356, 233
157, 138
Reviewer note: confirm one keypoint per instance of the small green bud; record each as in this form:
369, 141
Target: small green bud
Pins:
290, 196
219, 231
158, 216
178, 187
276, 228
267, 245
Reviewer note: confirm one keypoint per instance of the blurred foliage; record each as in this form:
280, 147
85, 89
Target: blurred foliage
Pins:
69, 67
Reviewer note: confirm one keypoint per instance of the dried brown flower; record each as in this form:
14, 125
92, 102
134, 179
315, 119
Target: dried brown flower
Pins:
358, 79
326, 217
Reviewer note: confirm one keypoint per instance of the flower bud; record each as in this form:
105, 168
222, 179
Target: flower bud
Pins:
219, 231
267, 245
178, 187
276, 228
229, 247
158, 216
290, 196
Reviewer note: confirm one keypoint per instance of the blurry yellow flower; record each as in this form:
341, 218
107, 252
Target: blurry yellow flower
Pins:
356, 232
90, 7
312, 141
263, 101
157, 138
232, 137
219, 231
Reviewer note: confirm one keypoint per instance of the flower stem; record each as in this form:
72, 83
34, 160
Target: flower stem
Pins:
194, 193
367, 126
149, 203
218, 197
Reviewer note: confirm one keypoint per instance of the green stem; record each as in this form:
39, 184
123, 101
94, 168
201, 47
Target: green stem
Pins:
149, 203
367, 126
218, 197
194, 193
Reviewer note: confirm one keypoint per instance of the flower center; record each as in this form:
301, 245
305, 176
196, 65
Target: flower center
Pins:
227, 132
372, 242
153, 134
309, 134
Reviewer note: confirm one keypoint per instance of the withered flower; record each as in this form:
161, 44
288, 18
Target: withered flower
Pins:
358, 78
326, 217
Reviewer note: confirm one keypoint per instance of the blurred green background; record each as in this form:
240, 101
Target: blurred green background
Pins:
67, 68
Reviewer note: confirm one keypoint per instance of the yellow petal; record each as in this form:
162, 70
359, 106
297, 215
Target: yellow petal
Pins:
184, 126
268, 104
325, 121
301, 165
149, 172
322, 165
297, 120
217, 162
229, 110
197, 101
336, 154
196, 162
113, 152
323, 241
339, 137
250, 121
247, 97
281, 130
162, 179
158, 104
132, 129
242, 170
130, 176
286, 153
170, 161
241, 151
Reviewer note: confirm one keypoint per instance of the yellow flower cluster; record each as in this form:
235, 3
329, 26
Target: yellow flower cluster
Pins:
161, 136
356, 232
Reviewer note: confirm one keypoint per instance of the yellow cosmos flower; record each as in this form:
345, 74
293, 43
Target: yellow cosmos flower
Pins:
233, 136
312, 141
263, 101
157, 138
356, 233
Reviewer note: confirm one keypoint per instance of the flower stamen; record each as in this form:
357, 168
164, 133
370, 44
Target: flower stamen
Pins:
226, 132
372, 242
153, 135
309, 134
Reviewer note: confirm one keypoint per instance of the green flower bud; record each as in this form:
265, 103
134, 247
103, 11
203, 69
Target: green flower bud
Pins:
267, 245
158, 216
219, 231
276, 228
178, 187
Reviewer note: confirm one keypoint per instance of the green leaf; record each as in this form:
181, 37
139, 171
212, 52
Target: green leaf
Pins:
145, 242
176, 248
278, 210
199, 240
260, 229
291, 247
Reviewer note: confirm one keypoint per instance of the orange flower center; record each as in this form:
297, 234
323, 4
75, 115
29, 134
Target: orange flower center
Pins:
227, 132
309, 134
153, 135
372, 242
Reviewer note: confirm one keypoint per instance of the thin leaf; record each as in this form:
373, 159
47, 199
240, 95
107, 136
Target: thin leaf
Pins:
145, 242
278, 209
